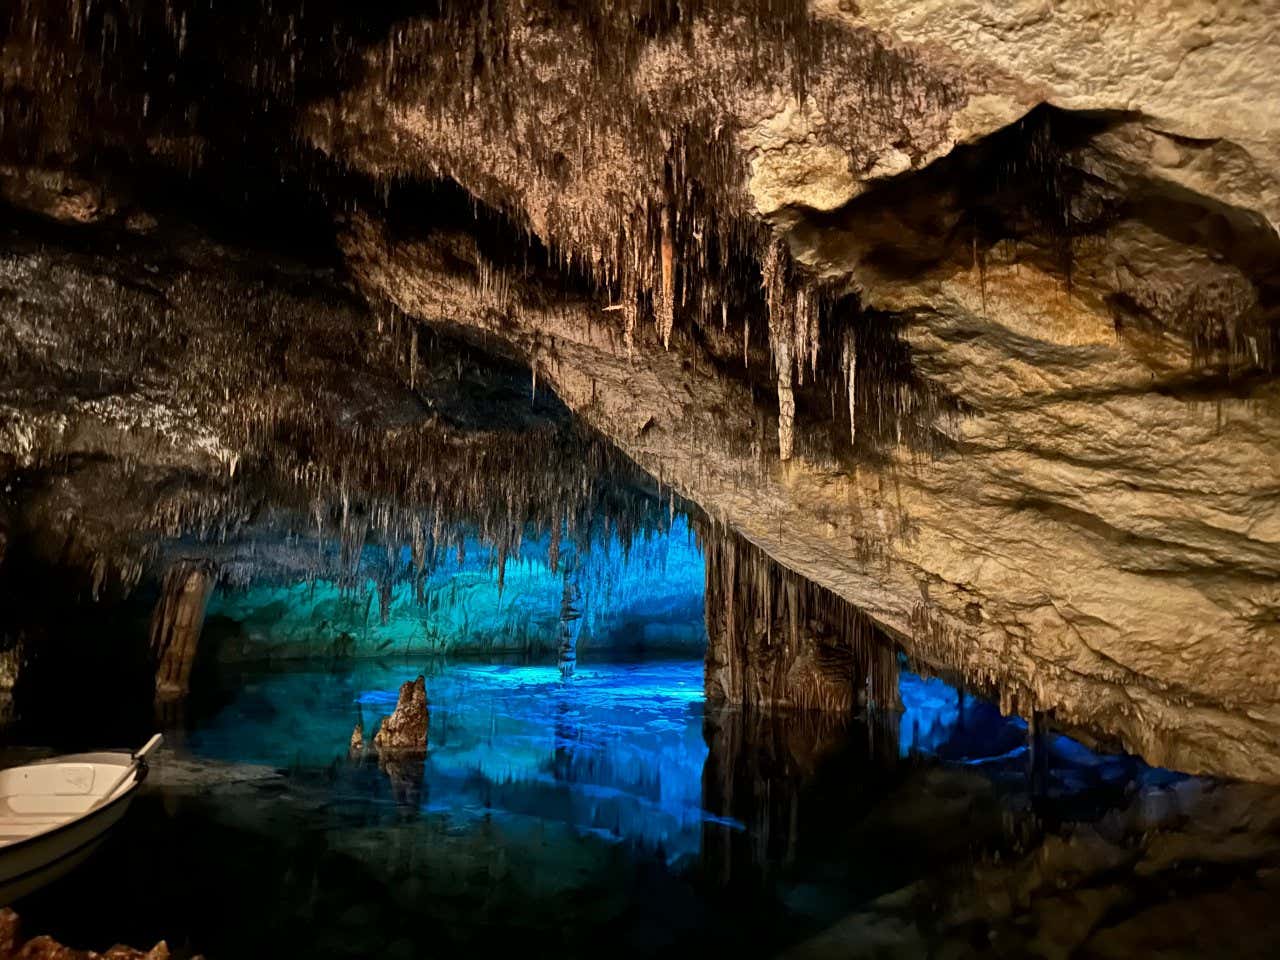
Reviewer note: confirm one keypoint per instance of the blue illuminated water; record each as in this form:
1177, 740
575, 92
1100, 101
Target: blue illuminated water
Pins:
613, 811
616, 750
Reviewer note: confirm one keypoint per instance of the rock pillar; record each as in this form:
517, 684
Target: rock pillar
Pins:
570, 623
406, 730
177, 622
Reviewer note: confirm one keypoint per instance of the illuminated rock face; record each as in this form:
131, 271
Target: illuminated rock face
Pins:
999, 374
409, 726
646, 598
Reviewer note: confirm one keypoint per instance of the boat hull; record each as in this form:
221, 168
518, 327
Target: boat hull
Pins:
32, 863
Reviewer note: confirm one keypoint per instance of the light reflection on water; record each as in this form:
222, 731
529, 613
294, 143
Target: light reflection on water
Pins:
549, 816
618, 749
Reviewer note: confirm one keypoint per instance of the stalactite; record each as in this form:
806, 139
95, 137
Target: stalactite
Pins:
781, 342
849, 360
629, 325
667, 296
553, 547
413, 358
777, 639
786, 399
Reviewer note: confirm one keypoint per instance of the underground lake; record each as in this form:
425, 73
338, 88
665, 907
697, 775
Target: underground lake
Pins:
555, 806
736, 478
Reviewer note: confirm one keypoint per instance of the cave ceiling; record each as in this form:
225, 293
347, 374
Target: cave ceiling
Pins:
966, 313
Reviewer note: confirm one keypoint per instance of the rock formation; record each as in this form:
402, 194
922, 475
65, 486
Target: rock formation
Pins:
1056, 894
176, 625
407, 729
776, 640
12, 947
570, 623
966, 315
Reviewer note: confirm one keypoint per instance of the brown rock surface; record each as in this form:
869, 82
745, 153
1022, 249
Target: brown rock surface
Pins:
998, 283
12, 947
407, 728
1100, 520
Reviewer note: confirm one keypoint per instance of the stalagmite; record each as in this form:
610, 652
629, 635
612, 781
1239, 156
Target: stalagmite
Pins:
177, 622
408, 726
570, 623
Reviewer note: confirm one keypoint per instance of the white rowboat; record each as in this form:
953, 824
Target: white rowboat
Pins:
54, 813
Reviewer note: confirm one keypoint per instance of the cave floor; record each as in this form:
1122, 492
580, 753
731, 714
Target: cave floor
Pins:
616, 810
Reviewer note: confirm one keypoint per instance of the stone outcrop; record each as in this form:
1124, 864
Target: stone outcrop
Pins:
1068, 352
778, 641
407, 729
13, 947
1059, 895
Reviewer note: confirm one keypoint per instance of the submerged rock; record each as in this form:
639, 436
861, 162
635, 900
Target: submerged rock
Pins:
406, 729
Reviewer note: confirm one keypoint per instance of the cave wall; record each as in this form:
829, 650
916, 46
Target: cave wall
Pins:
967, 315
646, 599
1069, 493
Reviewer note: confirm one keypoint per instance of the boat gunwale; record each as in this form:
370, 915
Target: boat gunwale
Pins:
89, 815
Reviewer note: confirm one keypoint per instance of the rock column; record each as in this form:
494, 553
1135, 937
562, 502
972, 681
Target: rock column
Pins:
570, 623
176, 624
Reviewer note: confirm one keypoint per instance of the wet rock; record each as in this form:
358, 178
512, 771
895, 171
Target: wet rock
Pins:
56, 194
1193, 887
356, 746
10, 666
407, 728
46, 948
1155, 807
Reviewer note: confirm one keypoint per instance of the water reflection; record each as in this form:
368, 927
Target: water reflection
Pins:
625, 752
616, 750
554, 816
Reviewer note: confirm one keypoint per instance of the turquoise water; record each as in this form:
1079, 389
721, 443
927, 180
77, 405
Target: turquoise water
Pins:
552, 817
617, 750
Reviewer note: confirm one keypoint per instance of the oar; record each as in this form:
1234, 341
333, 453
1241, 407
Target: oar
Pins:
139, 756
146, 748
